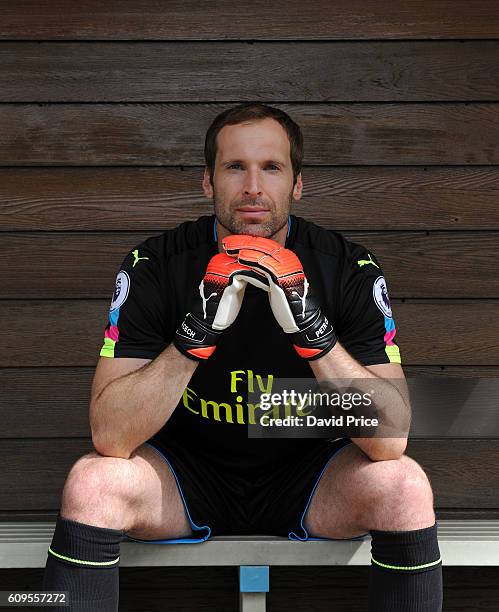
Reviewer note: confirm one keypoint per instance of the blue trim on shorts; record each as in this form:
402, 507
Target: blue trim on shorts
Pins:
293, 536
194, 527
289, 226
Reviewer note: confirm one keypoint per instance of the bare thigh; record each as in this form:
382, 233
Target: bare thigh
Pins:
139, 495
356, 495
335, 496
160, 510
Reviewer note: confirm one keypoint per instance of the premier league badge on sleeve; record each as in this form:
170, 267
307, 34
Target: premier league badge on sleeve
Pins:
120, 290
380, 295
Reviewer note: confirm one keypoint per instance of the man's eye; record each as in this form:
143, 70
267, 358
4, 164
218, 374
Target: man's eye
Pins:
272, 167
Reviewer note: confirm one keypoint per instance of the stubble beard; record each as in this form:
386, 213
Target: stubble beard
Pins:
267, 229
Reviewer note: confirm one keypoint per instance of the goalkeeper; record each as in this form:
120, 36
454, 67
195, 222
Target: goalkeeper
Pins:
201, 316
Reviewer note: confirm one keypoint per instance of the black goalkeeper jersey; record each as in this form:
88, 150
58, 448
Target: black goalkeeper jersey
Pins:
154, 288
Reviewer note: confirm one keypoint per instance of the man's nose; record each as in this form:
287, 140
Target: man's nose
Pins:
252, 186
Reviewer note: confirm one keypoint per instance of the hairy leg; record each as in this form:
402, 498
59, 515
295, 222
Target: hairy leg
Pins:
356, 495
138, 495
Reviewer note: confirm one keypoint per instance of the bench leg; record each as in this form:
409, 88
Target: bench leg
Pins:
252, 602
253, 587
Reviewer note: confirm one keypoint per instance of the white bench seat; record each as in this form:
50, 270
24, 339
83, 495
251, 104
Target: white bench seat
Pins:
461, 542
473, 542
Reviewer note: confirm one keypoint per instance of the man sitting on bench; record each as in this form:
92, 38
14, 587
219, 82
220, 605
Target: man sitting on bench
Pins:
203, 315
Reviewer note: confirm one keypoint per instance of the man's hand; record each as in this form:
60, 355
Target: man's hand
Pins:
291, 297
221, 293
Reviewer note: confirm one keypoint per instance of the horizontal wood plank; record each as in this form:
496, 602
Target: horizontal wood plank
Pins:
460, 514
282, 577
462, 331
69, 332
196, 71
62, 396
206, 589
173, 134
463, 473
415, 264
152, 199
451, 371
464, 514
350, 19
356, 599
441, 513
45, 402
319, 577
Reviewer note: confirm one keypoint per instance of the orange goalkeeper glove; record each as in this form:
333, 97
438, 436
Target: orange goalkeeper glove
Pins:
292, 300
221, 293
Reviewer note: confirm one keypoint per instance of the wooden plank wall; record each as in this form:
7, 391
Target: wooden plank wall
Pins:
103, 112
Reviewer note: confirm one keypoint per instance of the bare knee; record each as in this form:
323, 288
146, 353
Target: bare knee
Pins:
411, 482
98, 491
401, 496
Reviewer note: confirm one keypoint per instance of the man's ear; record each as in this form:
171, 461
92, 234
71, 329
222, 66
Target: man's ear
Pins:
207, 186
298, 188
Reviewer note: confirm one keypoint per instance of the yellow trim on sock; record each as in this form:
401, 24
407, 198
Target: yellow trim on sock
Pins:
83, 562
414, 567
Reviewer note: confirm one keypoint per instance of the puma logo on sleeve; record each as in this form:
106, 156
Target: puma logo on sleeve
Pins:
136, 257
364, 262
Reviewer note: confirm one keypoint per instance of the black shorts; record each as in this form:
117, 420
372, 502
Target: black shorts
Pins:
224, 503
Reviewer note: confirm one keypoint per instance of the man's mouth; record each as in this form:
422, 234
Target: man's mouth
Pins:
252, 210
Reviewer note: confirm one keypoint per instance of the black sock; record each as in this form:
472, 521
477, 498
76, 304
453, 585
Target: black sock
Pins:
84, 560
412, 582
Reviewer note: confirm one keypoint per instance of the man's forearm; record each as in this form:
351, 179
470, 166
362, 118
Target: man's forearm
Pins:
390, 398
132, 408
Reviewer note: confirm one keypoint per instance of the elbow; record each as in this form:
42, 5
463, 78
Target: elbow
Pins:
387, 449
106, 448
105, 444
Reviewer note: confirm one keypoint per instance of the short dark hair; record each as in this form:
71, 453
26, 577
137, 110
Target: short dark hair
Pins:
249, 111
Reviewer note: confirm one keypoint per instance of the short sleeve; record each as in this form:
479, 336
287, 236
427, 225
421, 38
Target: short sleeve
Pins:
136, 325
365, 325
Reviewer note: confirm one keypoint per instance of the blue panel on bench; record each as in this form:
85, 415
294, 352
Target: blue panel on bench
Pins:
254, 578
